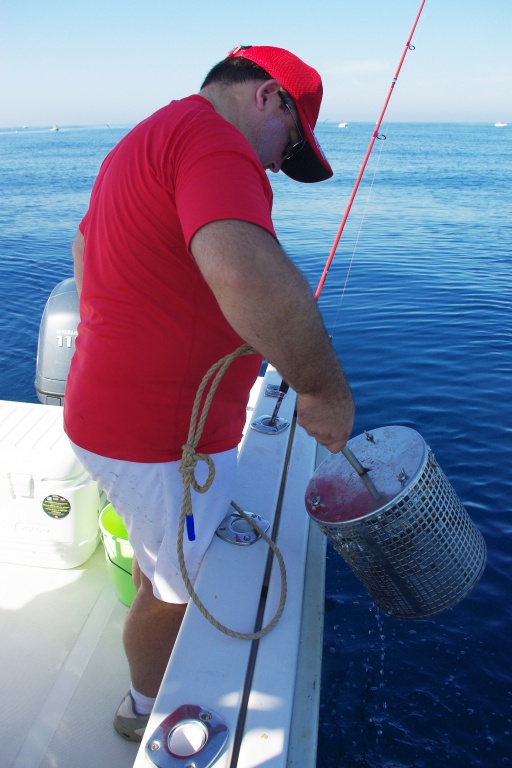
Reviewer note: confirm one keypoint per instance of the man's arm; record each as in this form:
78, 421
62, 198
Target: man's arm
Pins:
77, 251
269, 304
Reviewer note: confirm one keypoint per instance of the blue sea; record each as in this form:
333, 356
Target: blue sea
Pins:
418, 302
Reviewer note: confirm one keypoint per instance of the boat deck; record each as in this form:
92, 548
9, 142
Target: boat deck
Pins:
64, 670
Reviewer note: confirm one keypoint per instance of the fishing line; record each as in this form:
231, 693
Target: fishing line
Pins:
356, 243
375, 136
408, 47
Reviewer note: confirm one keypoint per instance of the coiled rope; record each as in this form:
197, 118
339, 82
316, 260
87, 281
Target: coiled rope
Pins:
187, 469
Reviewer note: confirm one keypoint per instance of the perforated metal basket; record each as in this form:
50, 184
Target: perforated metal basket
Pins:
405, 535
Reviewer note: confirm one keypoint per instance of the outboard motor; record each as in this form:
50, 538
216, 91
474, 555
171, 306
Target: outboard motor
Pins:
56, 343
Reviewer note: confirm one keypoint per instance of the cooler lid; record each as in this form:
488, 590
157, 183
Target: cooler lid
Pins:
33, 441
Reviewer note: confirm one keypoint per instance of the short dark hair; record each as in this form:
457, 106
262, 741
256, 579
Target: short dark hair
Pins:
235, 70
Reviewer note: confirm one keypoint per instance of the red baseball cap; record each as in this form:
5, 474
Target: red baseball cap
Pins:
304, 85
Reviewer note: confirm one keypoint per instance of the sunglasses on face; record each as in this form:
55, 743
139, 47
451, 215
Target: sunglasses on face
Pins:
301, 142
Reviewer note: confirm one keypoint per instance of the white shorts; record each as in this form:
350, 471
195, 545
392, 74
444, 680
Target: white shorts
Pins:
148, 499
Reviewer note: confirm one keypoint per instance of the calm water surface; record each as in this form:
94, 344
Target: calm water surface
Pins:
424, 331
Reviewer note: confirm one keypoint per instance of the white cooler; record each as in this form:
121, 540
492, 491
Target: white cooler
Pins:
49, 505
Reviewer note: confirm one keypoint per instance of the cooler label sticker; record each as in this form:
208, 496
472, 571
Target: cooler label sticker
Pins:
56, 506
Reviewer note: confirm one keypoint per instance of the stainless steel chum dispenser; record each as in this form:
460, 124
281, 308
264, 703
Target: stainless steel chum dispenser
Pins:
398, 523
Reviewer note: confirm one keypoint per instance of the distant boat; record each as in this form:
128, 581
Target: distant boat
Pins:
500, 125
343, 124
54, 128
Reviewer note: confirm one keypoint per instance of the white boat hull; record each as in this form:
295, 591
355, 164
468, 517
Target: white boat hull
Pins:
64, 671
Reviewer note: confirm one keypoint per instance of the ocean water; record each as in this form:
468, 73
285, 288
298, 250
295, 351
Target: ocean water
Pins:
418, 302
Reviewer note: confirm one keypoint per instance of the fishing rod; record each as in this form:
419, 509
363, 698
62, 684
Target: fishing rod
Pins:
283, 388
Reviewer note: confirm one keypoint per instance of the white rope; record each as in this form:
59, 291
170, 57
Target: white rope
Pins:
187, 469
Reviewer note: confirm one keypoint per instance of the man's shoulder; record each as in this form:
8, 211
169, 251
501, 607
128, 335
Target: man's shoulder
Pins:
196, 111
190, 107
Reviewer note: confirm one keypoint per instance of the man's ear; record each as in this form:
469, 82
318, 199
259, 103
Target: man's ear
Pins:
264, 90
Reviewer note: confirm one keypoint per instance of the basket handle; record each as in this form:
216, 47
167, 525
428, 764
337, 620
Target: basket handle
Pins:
361, 471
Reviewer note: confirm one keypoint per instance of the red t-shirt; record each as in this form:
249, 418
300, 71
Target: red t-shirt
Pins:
150, 326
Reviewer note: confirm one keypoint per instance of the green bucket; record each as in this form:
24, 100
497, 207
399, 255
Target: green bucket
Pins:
118, 552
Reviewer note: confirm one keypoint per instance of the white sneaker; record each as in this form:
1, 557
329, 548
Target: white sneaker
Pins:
127, 722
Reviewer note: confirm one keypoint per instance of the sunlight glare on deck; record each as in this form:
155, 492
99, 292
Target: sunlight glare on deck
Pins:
265, 702
26, 585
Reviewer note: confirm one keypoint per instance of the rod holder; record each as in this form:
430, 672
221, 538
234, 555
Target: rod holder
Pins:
264, 425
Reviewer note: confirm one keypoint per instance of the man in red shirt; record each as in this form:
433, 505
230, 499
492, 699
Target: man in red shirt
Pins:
177, 264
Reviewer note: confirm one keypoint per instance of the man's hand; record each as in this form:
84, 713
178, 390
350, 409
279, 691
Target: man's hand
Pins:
329, 419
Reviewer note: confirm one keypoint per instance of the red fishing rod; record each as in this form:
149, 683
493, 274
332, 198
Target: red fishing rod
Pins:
408, 47
272, 422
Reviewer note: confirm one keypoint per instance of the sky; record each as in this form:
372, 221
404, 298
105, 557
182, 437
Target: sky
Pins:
75, 62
